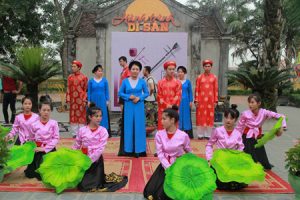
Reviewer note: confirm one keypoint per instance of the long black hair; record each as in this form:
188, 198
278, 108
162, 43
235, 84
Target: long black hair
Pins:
45, 100
233, 112
183, 69
26, 97
172, 113
148, 69
91, 111
136, 63
254, 96
123, 58
97, 67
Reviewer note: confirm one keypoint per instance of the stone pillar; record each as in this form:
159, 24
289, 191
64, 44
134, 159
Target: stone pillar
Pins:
195, 53
223, 63
100, 43
71, 50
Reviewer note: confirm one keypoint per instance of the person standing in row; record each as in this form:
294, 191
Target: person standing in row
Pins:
98, 93
77, 97
206, 98
186, 103
168, 91
133, 133
124, 74
10, 90
150, 101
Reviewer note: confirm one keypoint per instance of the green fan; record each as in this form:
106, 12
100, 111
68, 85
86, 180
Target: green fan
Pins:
234, 165
269, 135
64, 168
20, 156
189, 178
4, 131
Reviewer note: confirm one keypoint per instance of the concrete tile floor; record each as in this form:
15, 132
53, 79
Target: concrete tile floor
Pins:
275, 150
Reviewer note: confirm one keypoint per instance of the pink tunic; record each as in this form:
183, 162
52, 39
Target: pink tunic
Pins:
223, 140
22, 127
47, 134
94, 141
254, 122
206, 94
170, 149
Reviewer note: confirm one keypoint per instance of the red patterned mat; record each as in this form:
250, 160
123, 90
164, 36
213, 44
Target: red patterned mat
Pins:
139, 170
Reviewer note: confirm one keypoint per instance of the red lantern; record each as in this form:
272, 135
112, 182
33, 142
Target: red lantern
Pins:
132, 52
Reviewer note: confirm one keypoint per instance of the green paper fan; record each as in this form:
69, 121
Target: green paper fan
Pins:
64, 168
234, 165
189, 178
269, 135
4, 131
20, 155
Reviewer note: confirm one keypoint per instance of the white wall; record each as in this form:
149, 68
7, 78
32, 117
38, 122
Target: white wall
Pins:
210, 49
86, 54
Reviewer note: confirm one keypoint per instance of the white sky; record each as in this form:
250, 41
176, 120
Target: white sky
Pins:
182, 1
233, 63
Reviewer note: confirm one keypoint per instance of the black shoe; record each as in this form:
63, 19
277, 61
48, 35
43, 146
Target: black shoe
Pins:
155, 155
268, 167
206, 138
6, 124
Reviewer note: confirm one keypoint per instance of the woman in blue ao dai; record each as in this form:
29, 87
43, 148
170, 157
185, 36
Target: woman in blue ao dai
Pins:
98, 93
133, 134
185, 120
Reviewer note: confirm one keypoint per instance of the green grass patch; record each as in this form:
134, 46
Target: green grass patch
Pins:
239, 92
295, 99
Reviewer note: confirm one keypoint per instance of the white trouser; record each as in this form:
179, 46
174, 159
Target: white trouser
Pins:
203, 131
75, 128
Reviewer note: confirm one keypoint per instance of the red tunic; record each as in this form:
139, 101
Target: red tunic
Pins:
206, 94
168, 93
9, 84
124, 74
77, 96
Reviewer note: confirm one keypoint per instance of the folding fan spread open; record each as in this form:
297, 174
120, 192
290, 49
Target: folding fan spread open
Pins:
190, 177
234, 165
20, 155
64, 168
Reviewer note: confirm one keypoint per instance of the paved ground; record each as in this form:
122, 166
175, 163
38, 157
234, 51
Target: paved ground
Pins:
275, 150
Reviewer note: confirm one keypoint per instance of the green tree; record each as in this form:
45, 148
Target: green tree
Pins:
19, 22
271, 54
244, 19
291, 29
262, 29
32, 67
262, 80
272, 34
57, 16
